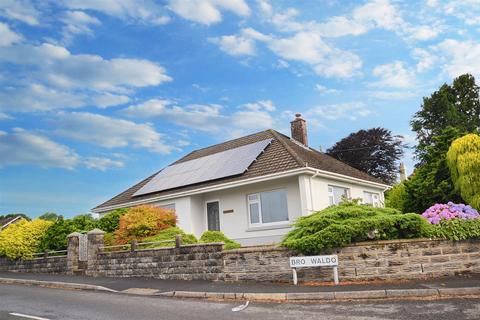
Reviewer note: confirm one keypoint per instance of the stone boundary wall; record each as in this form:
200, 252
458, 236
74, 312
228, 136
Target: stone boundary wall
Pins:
385, 260
189, 262
38, 265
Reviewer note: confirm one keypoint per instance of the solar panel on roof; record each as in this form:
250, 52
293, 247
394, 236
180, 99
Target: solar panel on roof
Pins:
218, 165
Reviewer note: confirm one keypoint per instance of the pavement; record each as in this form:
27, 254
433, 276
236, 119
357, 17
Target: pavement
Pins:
462, 285
19, 302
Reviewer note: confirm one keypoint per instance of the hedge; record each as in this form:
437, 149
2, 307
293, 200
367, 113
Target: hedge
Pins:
338, 226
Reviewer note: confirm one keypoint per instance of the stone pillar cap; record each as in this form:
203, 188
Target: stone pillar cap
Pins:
74, 234
96, 231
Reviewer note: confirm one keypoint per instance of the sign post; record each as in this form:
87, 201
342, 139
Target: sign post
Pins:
314, 261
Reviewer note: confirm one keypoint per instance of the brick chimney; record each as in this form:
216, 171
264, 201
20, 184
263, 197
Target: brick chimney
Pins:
299, 129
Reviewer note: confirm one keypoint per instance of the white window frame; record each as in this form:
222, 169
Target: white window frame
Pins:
259, 202
375, 203
331, 196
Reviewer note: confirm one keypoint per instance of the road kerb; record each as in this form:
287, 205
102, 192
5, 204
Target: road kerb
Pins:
299, 296
397, 293
56, 285
367, 294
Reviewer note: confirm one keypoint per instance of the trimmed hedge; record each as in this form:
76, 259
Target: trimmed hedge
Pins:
218, 236
169, 234
338, 226
455, 229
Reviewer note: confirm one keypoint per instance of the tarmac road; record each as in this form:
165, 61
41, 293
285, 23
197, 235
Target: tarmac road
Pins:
43, 303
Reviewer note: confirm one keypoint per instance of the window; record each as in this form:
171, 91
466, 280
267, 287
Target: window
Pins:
268, 207
336, 194
371, 198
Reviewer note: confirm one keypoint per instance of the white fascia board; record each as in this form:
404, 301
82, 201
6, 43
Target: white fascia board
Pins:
233, 184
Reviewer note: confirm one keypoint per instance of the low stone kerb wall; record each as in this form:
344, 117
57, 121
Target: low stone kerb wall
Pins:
190, 262
396, 259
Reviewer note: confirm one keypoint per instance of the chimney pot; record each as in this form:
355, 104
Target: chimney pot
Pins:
299, 129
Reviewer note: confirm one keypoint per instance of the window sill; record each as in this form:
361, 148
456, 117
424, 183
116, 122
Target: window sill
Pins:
271, 227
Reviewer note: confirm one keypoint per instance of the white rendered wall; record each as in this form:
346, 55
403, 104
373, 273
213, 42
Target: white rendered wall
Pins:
235, 225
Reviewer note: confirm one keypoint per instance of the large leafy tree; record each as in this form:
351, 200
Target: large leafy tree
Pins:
374, 151
456, 105
431, 183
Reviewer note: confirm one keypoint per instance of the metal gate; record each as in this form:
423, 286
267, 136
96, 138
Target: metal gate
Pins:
82, 248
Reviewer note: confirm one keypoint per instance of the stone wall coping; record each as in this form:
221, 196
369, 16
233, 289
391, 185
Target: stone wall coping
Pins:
250, 249
266, 248
166, 248
96, 231
74, 234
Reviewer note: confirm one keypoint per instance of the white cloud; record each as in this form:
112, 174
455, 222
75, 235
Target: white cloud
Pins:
101, 163
393, 95
110, 132
7, 36
4, 116
459, 57
64, 80
340, 26
426, 60
76, 23
348, 111
394, 75
235, 45
22, 10
107, 100
208, 118
37, 97
304, 46
208, 11
325, 90
25, 147
143, 11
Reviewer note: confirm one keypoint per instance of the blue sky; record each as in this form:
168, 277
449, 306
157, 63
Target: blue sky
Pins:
97, 95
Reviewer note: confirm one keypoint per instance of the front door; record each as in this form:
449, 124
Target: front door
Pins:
213, 216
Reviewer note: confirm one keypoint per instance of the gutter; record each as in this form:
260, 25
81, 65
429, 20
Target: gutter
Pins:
227, 185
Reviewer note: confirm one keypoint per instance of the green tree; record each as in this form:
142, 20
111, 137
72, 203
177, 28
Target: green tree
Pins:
456, 105
374, 151
463, 159
50, 216
10, 215
395, 198
431, 182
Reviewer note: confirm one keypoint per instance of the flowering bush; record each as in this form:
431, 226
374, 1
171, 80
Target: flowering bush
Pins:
448, 211
143, 221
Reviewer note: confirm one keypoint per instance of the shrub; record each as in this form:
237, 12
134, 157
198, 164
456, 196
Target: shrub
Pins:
463, 159
143, 221
109, 239
449, 211
170, 234
455, 229
21, 239
84, 222
55, 237
218, 236
395, 198
110, 222
338, 226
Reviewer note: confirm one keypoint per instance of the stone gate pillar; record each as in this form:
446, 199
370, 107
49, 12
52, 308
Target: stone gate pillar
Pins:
95, 242
73, 252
